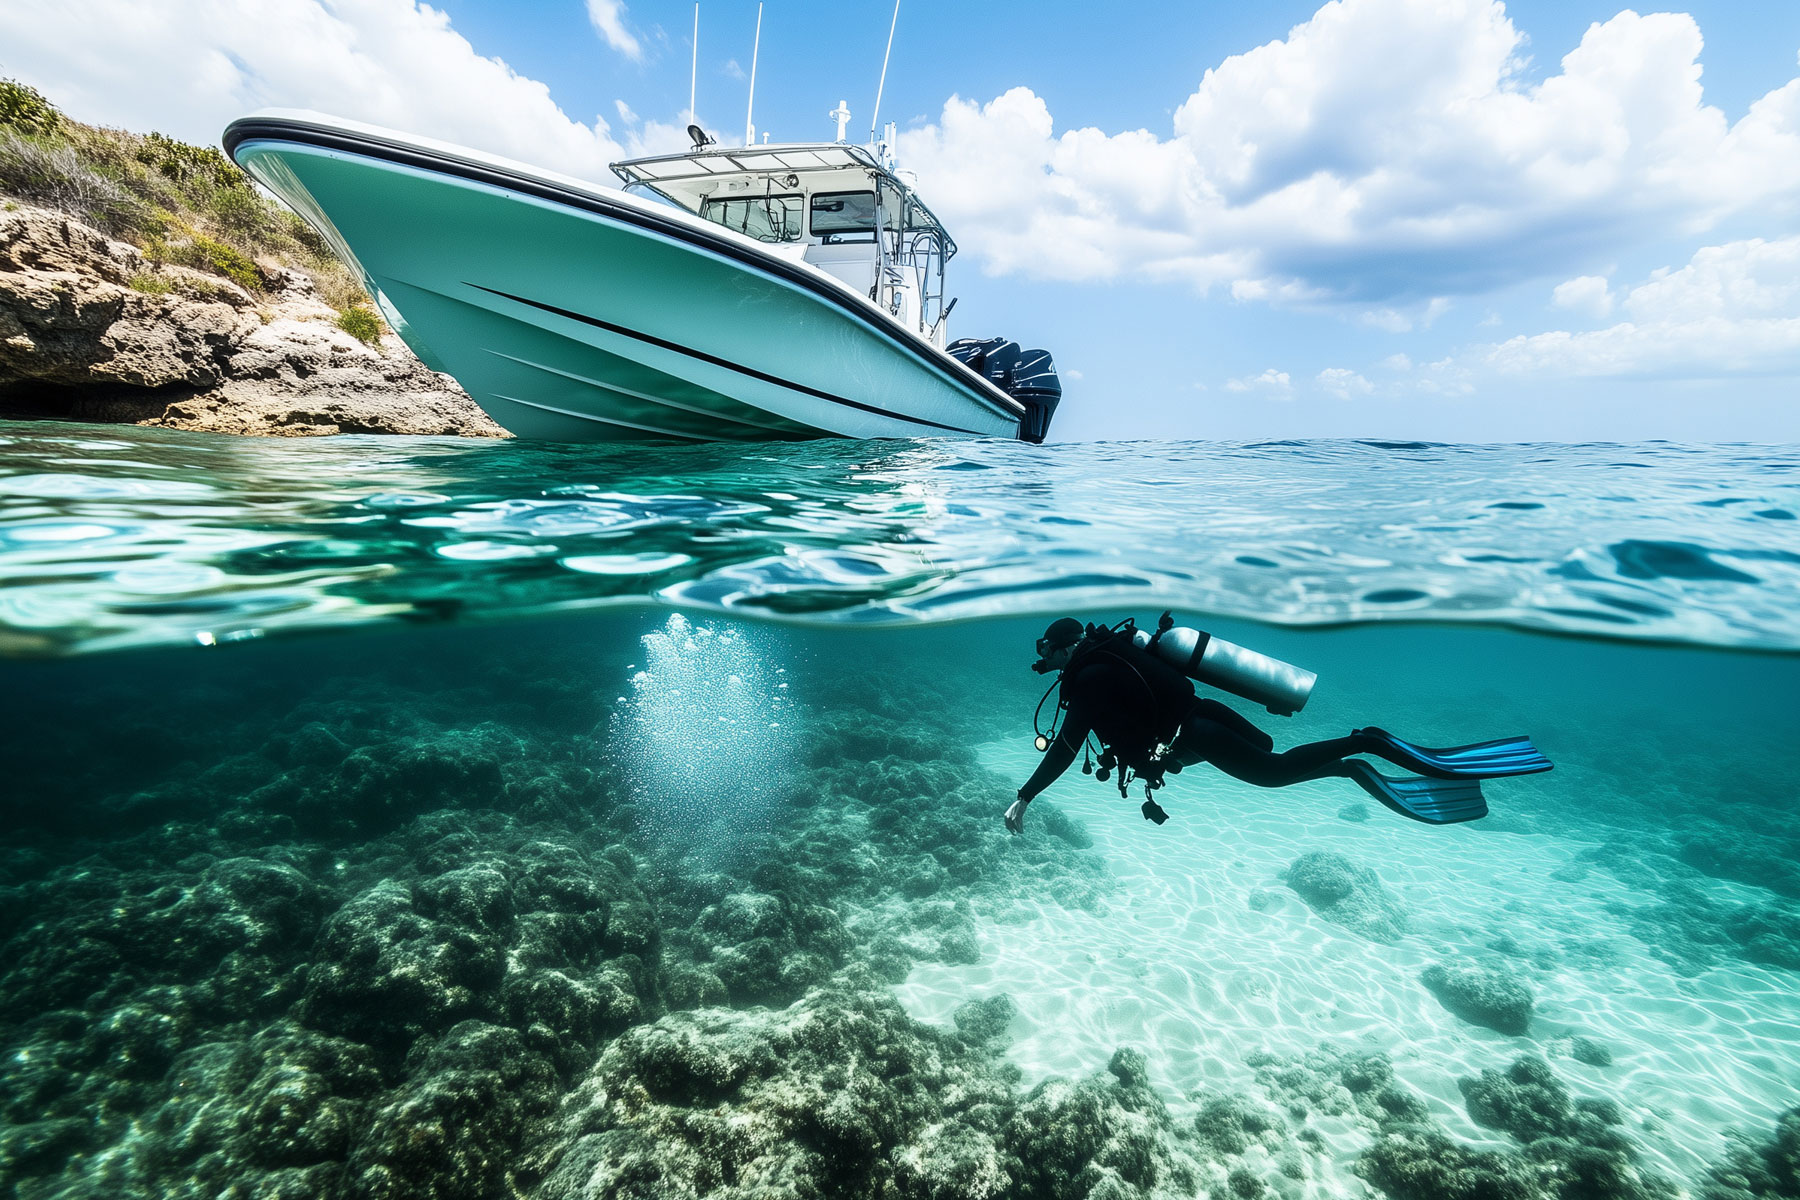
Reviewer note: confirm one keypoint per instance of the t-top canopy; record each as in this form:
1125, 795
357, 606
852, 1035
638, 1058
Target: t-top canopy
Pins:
688, 179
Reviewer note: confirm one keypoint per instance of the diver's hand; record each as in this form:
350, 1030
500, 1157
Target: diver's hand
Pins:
1015, 815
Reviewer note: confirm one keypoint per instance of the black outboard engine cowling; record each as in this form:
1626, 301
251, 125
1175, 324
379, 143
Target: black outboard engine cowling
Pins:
1028, 376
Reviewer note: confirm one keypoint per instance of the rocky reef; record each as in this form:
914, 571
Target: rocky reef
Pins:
402, 927
92, 329
408, 939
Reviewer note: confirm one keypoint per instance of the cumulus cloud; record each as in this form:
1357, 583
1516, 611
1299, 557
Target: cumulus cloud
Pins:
1270, 382
390, 62
608, 20
1344, 383
1589, 294
1732, 308
1384, 152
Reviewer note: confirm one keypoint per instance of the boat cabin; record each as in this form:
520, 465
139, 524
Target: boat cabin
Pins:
830, 204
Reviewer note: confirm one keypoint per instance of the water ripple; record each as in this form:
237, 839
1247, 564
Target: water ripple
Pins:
147, 536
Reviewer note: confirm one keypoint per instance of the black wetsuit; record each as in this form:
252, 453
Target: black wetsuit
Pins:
1133, 701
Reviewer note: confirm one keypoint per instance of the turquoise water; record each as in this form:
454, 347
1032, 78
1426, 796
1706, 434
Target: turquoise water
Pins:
392, 817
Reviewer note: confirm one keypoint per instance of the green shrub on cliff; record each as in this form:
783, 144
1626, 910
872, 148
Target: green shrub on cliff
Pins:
24, 109
186, 164
361, 323
205, 254
178, 202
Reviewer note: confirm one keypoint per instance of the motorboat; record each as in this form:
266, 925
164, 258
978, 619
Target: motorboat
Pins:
754, 292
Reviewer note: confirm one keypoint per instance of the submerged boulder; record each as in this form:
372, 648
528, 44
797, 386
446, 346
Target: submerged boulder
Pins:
1489, 996
1347, 894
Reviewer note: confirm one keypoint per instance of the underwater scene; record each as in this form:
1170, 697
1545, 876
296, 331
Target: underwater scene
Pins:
411, 818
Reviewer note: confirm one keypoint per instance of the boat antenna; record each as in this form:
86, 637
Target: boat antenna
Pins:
875, 117
750, 109
694, 73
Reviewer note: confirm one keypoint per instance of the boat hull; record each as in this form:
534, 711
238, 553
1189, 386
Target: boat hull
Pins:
583, 317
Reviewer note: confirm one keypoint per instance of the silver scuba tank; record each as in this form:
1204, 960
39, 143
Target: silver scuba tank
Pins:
1280, 687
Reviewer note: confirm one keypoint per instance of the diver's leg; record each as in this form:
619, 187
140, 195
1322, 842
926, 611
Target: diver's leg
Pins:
1222, 746
1211, 710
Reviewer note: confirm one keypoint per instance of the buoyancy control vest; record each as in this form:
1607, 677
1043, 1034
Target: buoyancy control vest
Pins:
1134, 700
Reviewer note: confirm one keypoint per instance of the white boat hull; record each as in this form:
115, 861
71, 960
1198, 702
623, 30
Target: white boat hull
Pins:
576, 314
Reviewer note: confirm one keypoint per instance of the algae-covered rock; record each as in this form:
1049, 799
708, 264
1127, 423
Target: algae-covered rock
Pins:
1759, 1170
1590, 1051
1572, 1147
451, 1132
1480, 995
1346, 894
1427, 1164
1331, 1082
986, 1022
1104, 1136
840, 1094
1231, 1124
1527, 1100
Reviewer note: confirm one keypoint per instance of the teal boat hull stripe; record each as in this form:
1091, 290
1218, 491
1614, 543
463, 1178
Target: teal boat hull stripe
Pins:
599, 420
713, 360
659, 401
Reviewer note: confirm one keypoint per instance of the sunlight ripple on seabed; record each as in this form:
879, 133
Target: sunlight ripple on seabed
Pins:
1206, 958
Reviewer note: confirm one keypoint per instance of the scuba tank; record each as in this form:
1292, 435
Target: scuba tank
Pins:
1280, 687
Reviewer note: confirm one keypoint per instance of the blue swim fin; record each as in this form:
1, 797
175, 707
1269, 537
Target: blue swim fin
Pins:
1433, 801
1482, 760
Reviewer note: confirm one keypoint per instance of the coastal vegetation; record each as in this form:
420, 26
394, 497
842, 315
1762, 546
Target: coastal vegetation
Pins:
361, 323
180, 204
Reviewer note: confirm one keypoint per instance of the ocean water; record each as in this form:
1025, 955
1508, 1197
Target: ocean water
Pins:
402, 817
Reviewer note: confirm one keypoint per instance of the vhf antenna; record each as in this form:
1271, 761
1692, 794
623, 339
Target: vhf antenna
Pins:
875, 117
694, 74
749, 129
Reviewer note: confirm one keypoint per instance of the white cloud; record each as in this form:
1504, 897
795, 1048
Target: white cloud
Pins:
390, 62
1392, 320
1397, 362
1589, 294
1732, 308
608, 20
644, 138
1383, 152
1344, 383
1388, 320
1271, 382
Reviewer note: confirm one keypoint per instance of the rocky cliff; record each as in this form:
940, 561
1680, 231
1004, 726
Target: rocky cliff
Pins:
93, 330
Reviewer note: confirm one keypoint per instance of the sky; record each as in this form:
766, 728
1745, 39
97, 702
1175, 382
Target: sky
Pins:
1446, 220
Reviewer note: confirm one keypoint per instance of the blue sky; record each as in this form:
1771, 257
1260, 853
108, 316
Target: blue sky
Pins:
1391, 218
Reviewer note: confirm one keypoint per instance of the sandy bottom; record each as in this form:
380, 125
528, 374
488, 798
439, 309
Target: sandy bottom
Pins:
1185, 969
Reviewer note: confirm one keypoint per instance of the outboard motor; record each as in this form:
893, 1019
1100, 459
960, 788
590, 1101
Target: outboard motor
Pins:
1028, 376
1280, 687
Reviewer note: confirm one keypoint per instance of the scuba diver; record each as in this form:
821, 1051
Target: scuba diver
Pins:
1134, 692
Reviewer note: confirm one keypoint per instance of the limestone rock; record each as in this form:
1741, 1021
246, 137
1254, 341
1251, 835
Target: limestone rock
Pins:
91, 329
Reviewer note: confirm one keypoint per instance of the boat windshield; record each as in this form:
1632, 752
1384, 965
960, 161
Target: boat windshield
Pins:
765, 218
847, 212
